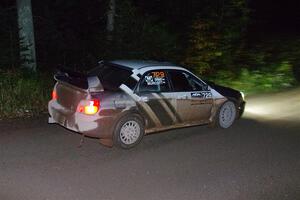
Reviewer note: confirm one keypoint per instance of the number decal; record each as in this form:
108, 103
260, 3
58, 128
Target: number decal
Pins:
158, 74
155, 78
203, 95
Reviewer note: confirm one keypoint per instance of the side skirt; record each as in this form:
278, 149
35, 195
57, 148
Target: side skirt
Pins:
181, 125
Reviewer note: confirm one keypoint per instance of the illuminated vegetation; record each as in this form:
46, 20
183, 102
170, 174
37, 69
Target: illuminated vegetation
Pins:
23, 95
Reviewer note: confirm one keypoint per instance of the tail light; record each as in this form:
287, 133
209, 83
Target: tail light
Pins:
89, 107
54, 95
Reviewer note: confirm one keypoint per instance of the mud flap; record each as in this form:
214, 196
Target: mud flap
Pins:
106, 142
81, 141
51, 120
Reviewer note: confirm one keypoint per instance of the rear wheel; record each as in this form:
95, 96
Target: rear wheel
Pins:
129, 131
226, 115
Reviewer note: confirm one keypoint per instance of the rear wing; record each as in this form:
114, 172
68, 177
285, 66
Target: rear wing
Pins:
79, 80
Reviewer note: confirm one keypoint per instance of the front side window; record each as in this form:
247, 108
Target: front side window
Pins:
183, 81
179, 81
154, 81
196, 84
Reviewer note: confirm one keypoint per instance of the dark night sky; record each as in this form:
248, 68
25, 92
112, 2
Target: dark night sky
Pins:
276, 15
273, 13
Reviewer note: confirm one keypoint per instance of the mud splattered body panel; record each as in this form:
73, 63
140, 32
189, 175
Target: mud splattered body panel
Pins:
164, 96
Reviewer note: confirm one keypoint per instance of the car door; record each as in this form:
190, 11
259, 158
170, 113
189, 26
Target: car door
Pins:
193, 97
157, 106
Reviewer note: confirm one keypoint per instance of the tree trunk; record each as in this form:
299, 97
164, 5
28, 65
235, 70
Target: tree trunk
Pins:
111, 18
26, 35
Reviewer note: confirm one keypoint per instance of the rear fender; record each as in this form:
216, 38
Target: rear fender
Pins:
128, 113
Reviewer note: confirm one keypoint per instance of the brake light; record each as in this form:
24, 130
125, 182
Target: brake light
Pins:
89, 107
54, 95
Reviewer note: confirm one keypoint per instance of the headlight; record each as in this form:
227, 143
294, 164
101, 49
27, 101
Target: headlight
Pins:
243, 95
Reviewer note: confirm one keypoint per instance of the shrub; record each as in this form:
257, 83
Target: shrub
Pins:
256, 81
22, 95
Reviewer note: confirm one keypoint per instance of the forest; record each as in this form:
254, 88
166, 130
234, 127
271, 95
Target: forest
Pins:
250, 45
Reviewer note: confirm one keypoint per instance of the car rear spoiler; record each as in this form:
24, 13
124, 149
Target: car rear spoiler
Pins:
79, 80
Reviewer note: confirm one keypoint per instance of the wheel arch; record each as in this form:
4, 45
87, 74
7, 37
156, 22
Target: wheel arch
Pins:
215, 115
133, 114
128, 113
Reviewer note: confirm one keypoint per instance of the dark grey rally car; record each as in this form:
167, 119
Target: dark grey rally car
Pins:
121, 101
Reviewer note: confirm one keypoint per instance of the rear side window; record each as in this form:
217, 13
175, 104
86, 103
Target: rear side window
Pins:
111, 76
154, 81
179, 81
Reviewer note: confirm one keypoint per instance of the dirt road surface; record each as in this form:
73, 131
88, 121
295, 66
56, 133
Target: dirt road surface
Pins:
257, 158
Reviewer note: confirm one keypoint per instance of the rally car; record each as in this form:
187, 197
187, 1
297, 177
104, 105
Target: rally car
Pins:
121, 101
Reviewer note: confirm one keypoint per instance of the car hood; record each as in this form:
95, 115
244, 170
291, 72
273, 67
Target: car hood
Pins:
225, 91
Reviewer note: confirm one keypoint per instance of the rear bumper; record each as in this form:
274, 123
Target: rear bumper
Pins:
89, 125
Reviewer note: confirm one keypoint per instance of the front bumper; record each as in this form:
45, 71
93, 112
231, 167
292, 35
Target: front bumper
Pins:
241, 108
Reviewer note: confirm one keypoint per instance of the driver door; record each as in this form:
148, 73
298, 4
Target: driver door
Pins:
193, 98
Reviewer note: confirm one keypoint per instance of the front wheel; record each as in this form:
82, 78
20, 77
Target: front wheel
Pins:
226, 115
129, 131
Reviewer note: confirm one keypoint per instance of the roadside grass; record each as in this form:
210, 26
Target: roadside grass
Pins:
258, 81
23, 95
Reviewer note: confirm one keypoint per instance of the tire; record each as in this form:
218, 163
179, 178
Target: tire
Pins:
226, 115
129, 131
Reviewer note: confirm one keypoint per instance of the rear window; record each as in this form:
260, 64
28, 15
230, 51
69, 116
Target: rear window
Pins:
111, 76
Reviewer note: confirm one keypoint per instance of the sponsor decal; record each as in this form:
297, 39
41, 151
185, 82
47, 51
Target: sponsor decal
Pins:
155, 78
158, 109
142, 104
202, 95
171, 110
165, 106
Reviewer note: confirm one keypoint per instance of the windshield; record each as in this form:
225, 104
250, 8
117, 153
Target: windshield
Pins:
111, 76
